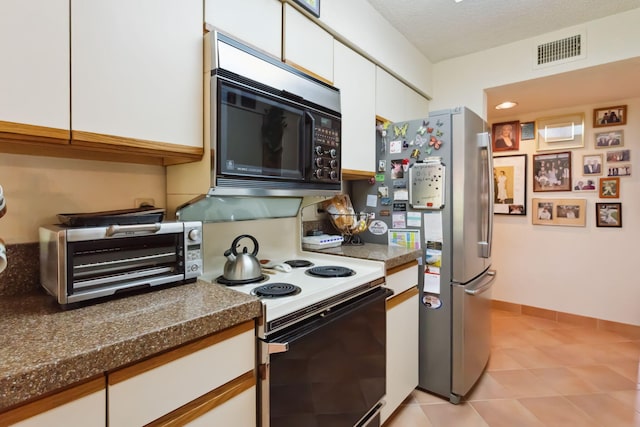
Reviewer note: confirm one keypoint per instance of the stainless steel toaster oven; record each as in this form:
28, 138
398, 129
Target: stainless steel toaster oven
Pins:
85, 263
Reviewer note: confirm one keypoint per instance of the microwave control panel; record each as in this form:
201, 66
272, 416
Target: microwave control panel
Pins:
326, 150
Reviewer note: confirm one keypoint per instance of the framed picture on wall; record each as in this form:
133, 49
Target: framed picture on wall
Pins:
510, 185
609, 139
552, 172
609, 188
506, 136
568, 212
527, 131
560, 132
312, 6
610, 116
608, 214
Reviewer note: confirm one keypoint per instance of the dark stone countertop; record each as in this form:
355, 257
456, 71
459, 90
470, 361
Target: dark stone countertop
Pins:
44, 348
392, 256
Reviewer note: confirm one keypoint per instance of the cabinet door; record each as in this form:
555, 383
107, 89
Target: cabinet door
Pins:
306, 45
256, 22
402, 349
34, 76
355, 76
396, 101
136, 73
151, 389
80, 406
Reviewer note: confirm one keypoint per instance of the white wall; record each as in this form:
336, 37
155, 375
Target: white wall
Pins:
590, 271
462, 80
38, 188
587, 271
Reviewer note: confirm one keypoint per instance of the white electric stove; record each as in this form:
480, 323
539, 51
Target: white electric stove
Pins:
310, 294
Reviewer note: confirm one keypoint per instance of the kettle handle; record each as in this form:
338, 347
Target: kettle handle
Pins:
234, 244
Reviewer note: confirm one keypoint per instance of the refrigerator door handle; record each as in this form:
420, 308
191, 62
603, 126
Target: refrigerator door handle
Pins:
484, 285
487, 195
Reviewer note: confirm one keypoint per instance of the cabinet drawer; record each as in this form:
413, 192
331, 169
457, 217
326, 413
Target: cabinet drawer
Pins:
150, 389
403, 277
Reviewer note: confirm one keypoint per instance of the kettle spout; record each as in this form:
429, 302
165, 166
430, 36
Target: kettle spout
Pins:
229, 254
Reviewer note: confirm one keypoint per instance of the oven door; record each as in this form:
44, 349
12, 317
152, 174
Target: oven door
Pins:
329, 370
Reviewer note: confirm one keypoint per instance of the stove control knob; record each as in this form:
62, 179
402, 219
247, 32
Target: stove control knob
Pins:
194, 235
333, 153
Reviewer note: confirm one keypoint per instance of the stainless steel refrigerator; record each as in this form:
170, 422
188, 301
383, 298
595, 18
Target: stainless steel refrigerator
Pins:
433, 189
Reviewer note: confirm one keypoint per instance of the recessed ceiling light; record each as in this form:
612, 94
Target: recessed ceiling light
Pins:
505, 105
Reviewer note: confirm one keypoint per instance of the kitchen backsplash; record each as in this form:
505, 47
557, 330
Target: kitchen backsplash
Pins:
23, 270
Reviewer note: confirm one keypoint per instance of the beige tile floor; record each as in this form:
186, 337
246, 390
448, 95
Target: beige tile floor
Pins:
542, 373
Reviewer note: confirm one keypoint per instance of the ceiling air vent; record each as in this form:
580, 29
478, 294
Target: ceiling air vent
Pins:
560, 51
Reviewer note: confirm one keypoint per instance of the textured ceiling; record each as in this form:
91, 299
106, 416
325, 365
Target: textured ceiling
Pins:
443, 29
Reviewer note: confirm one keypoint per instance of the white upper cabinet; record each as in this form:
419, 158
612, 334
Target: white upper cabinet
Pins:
307, 46
355, 76
396, 101
256, 22
34, 76
136, 71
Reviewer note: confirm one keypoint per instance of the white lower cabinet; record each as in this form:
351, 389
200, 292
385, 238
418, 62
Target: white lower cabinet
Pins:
209, 382
80, 406
402, 336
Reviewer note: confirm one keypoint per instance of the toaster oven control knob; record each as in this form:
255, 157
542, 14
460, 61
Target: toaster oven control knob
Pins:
194, 235
333, 153
319, 162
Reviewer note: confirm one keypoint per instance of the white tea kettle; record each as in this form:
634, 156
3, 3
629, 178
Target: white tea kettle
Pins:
244, 266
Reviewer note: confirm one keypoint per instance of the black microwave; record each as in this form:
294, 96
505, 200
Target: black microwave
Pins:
276, 130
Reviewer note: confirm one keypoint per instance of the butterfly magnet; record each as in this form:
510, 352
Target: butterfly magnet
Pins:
435, 142
400, 131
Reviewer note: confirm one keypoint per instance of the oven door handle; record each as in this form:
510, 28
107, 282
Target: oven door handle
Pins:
277, 347
112, 230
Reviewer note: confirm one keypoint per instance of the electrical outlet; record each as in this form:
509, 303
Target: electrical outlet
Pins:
143, 202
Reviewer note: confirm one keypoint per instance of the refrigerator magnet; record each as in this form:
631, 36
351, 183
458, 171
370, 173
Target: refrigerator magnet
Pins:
399, 207
383, 192
431, 301
378, 227
399, 220
382, 165
401, 194
395, 147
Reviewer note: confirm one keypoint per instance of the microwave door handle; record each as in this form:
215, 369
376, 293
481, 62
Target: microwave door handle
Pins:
112, 230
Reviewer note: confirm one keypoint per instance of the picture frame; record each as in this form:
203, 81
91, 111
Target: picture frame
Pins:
506, 136
619, 170
527, 131
609, 215
582, 184
510, 183
560, 132
552, 172
609, 188
602, 116
592, 164
565, 212
618, 156
610, 139
312, 6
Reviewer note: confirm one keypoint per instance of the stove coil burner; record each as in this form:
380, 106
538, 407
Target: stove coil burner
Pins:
230, 282
330, 271
274, 290
299, 263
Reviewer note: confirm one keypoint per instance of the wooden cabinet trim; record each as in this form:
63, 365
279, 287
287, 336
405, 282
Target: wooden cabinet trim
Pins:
402, 267
53, 401
207, 402
138, 368
400, 298
20, 131
140, 145
308, 72
353, 175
